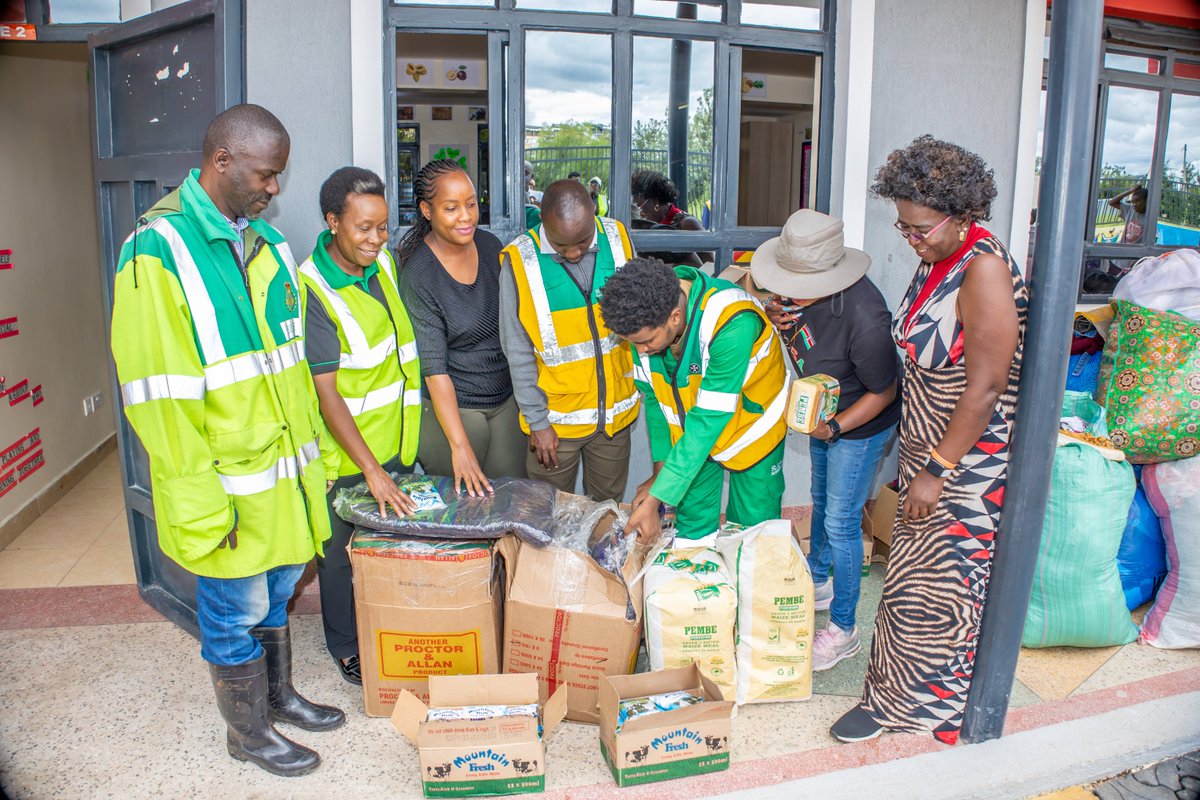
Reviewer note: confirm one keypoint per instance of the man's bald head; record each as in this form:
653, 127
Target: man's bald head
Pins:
243, 126
569, 217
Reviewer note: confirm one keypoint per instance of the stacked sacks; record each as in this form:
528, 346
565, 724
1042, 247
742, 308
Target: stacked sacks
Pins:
1174, 492
1142, 559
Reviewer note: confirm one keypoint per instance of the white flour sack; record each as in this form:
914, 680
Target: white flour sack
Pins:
691, 611
775, 612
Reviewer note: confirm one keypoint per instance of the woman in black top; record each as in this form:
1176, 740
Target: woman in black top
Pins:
450, 283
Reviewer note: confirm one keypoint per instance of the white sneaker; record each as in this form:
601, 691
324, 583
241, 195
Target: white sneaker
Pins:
833, 645
823, 595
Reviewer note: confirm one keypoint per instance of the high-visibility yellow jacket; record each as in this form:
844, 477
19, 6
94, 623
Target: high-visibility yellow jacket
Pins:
584, 368
378, 373
210, 356
749, 405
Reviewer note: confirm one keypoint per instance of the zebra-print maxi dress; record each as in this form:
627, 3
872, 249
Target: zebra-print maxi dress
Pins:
928, 622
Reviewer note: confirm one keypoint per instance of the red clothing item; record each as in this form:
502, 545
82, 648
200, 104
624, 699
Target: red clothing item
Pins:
942, 268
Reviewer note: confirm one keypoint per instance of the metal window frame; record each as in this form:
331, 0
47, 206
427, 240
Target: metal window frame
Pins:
1167, 85
506, 26
37, 14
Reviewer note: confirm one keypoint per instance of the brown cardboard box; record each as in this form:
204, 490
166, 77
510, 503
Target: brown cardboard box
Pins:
740, 274
465, 758
570, 621
883, 514
670, 744
424, 608
803, 530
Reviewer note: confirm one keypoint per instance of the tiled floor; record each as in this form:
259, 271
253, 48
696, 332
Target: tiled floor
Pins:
74, 628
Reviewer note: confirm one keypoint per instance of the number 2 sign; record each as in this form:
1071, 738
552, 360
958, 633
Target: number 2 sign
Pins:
26, 33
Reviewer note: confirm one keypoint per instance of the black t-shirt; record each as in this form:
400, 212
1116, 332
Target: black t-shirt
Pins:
457, 327
849, 336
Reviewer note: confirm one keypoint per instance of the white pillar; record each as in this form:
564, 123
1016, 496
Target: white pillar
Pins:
1027, 149
366, 85
855, 44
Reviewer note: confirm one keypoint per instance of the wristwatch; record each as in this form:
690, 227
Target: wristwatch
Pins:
834, 429
937, 469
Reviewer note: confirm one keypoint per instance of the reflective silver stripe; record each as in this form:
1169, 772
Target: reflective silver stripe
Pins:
412, 397
612, 232
374, 399
527, 250
252, 365
587, 416
759, 429
642, 373
762, 353
621, 407
286, 468
371, 357
204, 316
716, 305
387, 266
408, 352
717, 401
289, 261
361, 355
163, 387
669, 413
291, 328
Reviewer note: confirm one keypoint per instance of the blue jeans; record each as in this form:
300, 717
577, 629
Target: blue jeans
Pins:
842, 474
227, 608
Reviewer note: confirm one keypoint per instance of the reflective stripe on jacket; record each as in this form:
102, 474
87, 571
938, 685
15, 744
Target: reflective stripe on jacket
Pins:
583, 368
210, 356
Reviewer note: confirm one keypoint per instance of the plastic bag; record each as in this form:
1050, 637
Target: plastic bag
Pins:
1170, 282
1142, 559
1174, 492
522, 507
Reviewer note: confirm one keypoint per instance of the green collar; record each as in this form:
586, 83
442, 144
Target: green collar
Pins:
334, 275
196, 203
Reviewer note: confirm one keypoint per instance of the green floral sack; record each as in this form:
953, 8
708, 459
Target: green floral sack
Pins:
1150, 384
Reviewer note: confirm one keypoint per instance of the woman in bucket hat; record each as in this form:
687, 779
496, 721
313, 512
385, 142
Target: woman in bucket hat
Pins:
834, 321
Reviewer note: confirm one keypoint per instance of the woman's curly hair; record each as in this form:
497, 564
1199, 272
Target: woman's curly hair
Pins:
642, 294
938, 175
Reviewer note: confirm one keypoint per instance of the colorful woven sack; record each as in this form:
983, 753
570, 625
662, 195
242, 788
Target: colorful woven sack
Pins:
1150, 384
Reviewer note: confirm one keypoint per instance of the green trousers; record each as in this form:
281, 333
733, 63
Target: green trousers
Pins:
755, 495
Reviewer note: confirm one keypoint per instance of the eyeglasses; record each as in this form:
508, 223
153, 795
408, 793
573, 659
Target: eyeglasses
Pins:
913, 236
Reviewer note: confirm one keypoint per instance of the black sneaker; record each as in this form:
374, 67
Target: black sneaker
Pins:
856, 725
350, 669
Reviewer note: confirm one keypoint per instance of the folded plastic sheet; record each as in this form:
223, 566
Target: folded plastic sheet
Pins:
522, 507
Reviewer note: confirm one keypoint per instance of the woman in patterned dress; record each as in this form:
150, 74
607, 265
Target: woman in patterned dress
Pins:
961, 326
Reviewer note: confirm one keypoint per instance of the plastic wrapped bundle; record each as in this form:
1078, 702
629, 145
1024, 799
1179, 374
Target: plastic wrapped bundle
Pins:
521, 507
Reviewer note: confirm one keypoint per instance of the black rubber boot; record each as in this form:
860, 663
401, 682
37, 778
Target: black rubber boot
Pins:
285, 703
242, 697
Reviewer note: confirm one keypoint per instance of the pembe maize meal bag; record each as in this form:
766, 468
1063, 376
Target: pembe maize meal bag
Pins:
775, 611
1077, 598
1150, 384
691, 614
1174, 492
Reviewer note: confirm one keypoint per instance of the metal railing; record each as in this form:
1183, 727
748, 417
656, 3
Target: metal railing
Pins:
1179, 205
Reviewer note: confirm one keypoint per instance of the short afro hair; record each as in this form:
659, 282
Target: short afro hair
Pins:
938, 175
642, 294
651, 185
345, 182
242, 126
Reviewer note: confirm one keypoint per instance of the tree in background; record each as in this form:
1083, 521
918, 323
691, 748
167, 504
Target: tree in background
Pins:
582, 147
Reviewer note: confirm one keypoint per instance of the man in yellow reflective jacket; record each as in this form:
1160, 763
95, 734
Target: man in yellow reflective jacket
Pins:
571, 375
207, 340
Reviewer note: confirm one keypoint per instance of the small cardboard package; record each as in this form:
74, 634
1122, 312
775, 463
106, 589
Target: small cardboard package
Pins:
670, 744
811, 401
740, 274
570, 620
471, 757
425, 607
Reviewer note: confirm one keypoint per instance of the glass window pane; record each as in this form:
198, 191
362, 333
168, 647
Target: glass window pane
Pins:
1128, 63
779, 117
85, 11
1129, 131
1179, 204
485, 3
671, 9
797, 15
568, 110
672, 137
1186, 69
583, 6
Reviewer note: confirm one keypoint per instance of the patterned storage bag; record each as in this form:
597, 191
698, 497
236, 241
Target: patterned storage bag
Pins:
1150, 384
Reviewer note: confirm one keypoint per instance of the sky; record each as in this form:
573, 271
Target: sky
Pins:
81, 11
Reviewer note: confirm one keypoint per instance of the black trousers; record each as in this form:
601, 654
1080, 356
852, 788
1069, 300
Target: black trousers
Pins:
333, 574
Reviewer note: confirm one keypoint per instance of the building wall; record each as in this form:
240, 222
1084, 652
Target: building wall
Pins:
298, 66
49, 213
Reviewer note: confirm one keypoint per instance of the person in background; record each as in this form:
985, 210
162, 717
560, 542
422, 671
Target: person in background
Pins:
960, 327
575, 175
570, 373
835, 322
711, 367
1133, 210
363, 357
599, 198
450, 284
654, 197
207, 341
533, 199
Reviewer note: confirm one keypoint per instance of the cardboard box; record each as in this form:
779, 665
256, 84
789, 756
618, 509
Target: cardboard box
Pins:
670, 744
803, 530
466, 758
812, 401
740, 274
425, 608
570, 621
883, 514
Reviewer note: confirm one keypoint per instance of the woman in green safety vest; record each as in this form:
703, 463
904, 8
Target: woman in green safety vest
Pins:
363, 358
